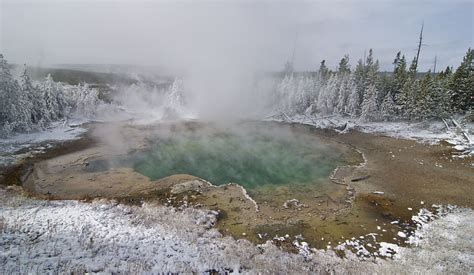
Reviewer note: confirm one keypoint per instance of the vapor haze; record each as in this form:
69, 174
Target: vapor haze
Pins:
183, 33
219, 45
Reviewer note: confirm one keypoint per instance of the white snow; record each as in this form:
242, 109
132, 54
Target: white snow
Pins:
401, 234
68, 236
57, 131
388, 249
431, 132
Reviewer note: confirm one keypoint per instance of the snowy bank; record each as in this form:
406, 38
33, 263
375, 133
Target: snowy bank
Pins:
66, 236
58, 131
431, 132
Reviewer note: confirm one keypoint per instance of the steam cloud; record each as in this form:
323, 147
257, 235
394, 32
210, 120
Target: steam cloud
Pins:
219, 46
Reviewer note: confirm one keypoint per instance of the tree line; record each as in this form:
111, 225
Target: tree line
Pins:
370, 95
27, 106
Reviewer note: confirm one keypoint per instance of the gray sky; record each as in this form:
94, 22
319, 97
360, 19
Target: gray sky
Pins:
256, 34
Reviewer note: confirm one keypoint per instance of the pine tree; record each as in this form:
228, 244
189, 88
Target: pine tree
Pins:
33, 101
371, 70
52, 98
400, 74
369, 108
423, 100
5, 74
353, 106
406, 100
323, 72
371, 97
359, 79
16, 108
412, 69
344, 67
332, 90
5, 83
285, 90
302, 98
446, 73
345, 89
8, 89
462, 84
439, 101
314, 86
388, 108
328, 96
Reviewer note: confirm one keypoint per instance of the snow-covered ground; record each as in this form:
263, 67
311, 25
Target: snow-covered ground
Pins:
64, 236
431, 132
38, 141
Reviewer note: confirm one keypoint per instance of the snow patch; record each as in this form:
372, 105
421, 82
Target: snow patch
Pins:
426, 132
103, 236
58, 131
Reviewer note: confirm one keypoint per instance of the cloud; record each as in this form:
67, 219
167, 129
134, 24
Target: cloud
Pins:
183, 34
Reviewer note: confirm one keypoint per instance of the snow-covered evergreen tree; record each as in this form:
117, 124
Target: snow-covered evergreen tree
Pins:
300, 97
344, 67
323, 72
462, 84
346, 88
33, 100
439, 102
54, 100
353, 106
7, 92
372, 96
406, 99
359, 79
370, 103
328, 95
400, 74
81, 100
286, 90
346, 81
388, 108
369, 107
15, 109
424, 98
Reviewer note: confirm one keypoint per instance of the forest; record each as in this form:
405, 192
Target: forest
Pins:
26, 106
371, 95
364, 93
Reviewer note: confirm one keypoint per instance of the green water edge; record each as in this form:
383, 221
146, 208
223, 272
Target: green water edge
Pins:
261, 156
252, 161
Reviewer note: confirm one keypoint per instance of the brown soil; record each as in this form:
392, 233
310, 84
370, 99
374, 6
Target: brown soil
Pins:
411, 175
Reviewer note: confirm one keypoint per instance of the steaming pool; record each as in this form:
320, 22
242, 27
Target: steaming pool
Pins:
253, 155
287, 173
280, 174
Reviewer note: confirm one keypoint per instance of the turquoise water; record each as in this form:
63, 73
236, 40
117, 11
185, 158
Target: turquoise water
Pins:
251, 155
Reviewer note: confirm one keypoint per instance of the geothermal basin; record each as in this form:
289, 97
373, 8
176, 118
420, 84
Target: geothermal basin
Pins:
265, 179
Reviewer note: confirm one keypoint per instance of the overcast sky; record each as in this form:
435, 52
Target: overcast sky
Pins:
177, 34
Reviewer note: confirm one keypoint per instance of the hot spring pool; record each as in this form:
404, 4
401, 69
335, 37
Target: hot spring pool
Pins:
249, 154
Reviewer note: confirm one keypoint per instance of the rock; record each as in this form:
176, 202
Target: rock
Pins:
293, 203
193, 185
401, 234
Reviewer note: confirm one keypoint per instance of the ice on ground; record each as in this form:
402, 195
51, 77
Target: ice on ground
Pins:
58, 131
68, 236
431, 132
